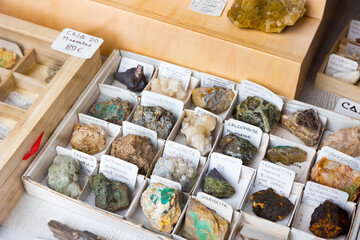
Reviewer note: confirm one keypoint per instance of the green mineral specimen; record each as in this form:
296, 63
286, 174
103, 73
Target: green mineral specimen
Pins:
216, 185
237, 147
266, 15
110, 195
258, 112
286, 155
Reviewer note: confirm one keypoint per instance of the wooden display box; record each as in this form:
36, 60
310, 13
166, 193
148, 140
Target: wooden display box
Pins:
51, 100
169, 31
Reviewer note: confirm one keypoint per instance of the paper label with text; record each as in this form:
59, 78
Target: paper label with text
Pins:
174, 149
354, 31
18, 100
175, 72
270, 175
340, 157
4, 131
131, 128
315, 194
228, 167
338, 63
348, 108
352, 50
200, 111
76, 43
290, 108
208, 80
166, 182
221, 208
127, 63
111, 129
208, 7
115, 92
244, 130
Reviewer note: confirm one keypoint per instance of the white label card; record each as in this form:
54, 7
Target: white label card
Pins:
270, 175
115, 92
200, 111
127, 63
18, 100
116, 169
348, 108
315, 194
228, 167
131, 128
76, 43
244, 130
221, 208
175, 72
111, 129
166, 182
340, 157
174, 149
208, 80
352, 49
10, 46
208, 7
338, 63
354, 31
290, 108
4, 131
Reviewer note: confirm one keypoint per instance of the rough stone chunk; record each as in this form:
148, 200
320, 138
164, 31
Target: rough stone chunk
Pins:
305, 125
266, 15
203, 224
134, 149
168, 87
88, 138
346, 140
237, 147
114, 111
216, 185
63, 232
214, 99
7, 58
111, 196
329, 220
155, 118
160, 205
133, 78
258, 112
63, 176
270, 205
286, 155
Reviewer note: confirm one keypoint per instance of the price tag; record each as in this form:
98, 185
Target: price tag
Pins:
114, 92
127, 63
18, 100
175, 72
4, 131
338, 63
76, 43
131, 128
354, 31
208, 7
208, 80
244, 130
348, 108
166, 182
340, 157
221, 208
174, 149
228, 167
352, 50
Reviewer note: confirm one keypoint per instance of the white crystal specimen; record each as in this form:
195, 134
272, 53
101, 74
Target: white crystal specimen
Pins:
168, 87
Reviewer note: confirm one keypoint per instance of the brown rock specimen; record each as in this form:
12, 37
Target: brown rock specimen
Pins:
287, 155
88, 138
63, 232
214, 99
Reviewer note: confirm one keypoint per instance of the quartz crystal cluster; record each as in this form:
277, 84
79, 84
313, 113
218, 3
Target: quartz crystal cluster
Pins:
168, 87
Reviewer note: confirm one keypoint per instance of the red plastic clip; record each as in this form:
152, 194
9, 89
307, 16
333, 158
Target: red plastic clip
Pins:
34, 148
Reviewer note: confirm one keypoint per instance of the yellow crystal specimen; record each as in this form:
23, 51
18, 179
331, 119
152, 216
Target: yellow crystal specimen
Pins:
266, 15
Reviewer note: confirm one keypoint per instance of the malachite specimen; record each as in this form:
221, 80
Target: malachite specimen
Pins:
7, 58
114, 111
237, 147
216, 185
133, 78
214, 99
111, 196
258, 112
266, 15
286, 155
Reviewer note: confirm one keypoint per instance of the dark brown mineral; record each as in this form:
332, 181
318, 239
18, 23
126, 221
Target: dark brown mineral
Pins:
133, 78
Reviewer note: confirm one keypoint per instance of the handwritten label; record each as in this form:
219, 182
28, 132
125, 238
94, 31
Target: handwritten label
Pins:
199, 111
76, 43
208, 80
131, 128
228, 167
166, 182
352, 50
86, 119
122, 93
340, 157
338, 63
270, 175
315, 194
174, 149
208, 7
354, 31
221, 208
244, 130
127, 63
175, 72
4, 131
18, 100
348, 108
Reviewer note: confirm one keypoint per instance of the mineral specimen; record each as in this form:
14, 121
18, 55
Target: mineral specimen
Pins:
333, 174
168, 87
198, 130
265, 15
51, 73
114, 110
214, 99
270, 205
133, 78
155, 118
216, 185
63, 176
7, 58
258, 112
176, 169
88, 138
134, 149
329, 220
235, 146
346, 140
203, 224
286, 155
110, 195
305, 125
63, 232
161, 205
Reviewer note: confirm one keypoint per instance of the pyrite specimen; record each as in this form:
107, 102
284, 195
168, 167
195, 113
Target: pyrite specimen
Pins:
155, 118
114, 110
286, 155
198, 130
237, 147
134, 149
111, 196
88, 138
63, 232
203, 224
160, 205
214, 99
270, 205
258, 112
329, 220
216, 185
305, 125
7, 58
168, 87
333, 174
133, 78
266, 15
63, 176
176, 169
346, 140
